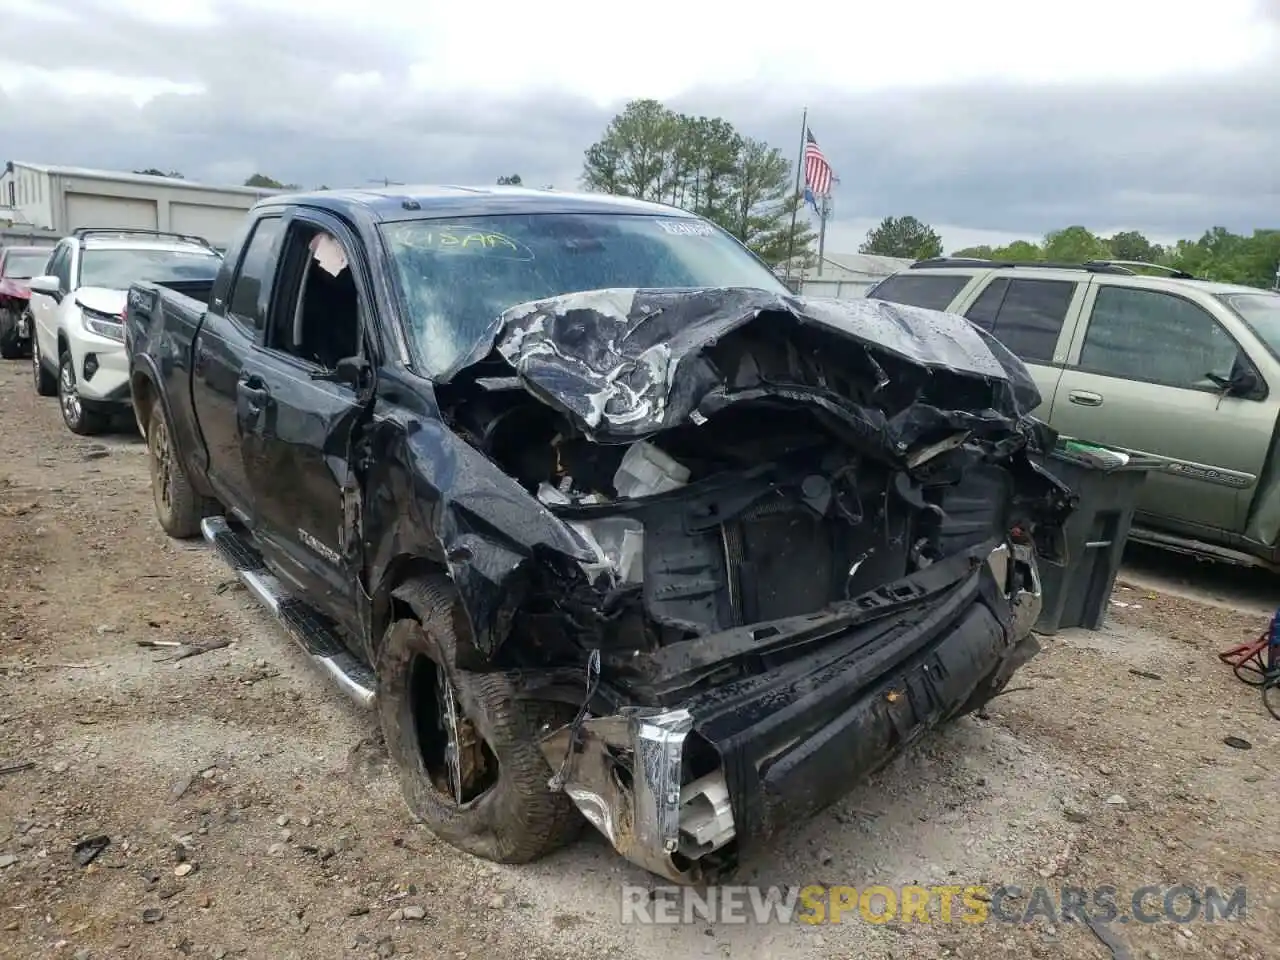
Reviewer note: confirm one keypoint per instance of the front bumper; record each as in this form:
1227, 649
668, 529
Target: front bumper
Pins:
795, 738
105, 379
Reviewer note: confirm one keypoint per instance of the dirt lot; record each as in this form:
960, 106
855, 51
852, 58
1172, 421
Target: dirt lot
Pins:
251, 812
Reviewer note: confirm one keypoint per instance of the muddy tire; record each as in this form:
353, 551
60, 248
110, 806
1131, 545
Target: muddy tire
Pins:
11, 345
178, 507
506, 814
45, 383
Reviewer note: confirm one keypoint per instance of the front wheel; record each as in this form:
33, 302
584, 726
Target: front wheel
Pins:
78, 418
46, 385
465, 746
178, 507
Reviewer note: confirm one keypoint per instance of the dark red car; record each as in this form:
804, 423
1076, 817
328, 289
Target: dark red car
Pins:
17, 266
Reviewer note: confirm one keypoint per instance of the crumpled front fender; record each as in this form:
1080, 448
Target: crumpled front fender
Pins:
434, 498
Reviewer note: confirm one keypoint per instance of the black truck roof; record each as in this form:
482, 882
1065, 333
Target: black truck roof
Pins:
433, 202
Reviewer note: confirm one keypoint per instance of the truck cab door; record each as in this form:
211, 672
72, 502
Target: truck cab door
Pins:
222, 394
1146, 377
299, 446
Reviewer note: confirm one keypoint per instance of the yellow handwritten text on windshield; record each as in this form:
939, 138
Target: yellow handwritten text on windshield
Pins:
470, 240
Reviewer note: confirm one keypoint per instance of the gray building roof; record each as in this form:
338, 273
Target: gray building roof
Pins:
119, 176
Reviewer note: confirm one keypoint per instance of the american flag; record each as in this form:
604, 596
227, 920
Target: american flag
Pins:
818, 175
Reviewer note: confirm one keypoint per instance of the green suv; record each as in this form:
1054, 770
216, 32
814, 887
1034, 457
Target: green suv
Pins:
1168, 366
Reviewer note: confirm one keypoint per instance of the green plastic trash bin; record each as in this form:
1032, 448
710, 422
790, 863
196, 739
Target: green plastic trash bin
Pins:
1075, 592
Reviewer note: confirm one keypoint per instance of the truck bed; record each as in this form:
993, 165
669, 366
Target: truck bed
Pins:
199, 290
161, 324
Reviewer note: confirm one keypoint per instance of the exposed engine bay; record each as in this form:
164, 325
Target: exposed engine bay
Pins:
752, 480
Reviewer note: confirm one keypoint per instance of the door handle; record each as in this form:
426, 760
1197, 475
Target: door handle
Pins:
1086, 398
255, 393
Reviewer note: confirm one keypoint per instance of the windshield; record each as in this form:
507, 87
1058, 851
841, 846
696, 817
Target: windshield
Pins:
24, 266
457, 276
1261, 311
117, 269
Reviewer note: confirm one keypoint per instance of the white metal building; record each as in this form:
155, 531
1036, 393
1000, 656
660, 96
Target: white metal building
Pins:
64, 198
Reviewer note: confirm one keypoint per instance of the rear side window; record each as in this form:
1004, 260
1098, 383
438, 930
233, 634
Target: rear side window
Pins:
248, 304
932, 291
1025, 315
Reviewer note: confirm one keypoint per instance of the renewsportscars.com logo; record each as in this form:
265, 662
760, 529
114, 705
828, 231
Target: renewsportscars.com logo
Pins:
820, 904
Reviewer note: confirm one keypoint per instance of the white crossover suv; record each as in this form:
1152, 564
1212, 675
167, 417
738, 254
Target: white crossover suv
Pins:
77, 348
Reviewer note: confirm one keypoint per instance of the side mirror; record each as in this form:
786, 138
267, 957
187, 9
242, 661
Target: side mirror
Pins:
1242, 383
355, 372
48, 284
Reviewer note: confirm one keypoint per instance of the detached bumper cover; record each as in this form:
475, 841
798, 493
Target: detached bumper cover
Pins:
794, 739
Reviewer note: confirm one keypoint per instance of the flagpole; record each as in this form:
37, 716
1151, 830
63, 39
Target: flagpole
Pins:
822, 230
795, 209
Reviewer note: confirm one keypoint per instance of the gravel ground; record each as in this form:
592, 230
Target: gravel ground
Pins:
250, 810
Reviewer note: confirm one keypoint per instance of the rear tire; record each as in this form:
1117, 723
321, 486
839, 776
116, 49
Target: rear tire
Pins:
178, 507
76, 415
45, 383
513, 817
12, 347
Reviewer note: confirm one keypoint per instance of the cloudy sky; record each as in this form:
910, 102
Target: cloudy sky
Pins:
991, 119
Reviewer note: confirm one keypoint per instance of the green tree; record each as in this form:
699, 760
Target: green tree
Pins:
1218, 254
903, 237
1229, 257
1074, 244
709, 164
1132, 245
980, 252
705, 166
1020, 251
637, 154
762, 200
511, 181
268, 183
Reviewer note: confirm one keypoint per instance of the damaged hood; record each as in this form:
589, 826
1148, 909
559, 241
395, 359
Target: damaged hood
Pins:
15, 287
627, 363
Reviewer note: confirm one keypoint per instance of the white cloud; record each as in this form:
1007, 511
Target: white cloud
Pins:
992, 120
663, 48
24, 80
610, 53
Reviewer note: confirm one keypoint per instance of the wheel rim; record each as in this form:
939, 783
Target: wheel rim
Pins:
161, 465
450, 723
460, 765
35, 360
67, 389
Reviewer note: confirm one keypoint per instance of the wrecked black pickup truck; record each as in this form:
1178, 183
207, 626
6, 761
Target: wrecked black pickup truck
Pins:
601, 518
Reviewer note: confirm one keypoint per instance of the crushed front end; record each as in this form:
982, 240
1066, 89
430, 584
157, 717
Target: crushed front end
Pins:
807, 534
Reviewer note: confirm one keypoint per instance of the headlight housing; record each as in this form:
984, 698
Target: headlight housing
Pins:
103, 324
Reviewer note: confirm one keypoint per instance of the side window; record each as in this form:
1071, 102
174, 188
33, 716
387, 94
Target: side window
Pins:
60, 266
1155, 336
316, 314
931, 290
247, 305
51, 265
984, 309
1025, 315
